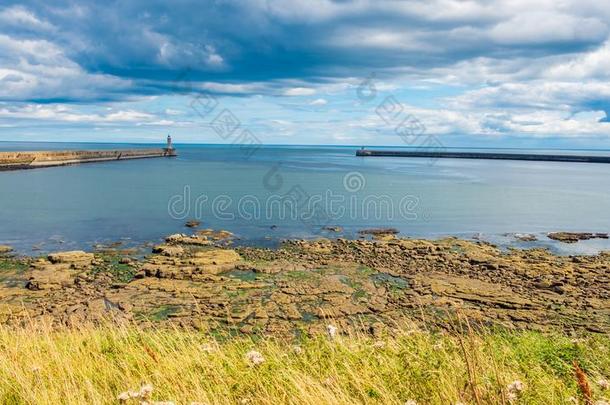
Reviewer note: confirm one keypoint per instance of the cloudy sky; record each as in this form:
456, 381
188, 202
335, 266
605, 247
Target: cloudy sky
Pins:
516, 73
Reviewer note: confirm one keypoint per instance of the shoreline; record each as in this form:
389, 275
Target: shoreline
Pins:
562, 243
201, 282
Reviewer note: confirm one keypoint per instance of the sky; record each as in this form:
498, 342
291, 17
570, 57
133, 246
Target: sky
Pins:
503, 73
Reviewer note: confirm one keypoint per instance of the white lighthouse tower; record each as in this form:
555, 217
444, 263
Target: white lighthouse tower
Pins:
169, 148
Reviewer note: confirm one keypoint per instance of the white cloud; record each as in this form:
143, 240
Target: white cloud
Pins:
548, 26
547, 95
589, 65
230, 88
19, 16
299, 91
319, 101
39, 69
65, 113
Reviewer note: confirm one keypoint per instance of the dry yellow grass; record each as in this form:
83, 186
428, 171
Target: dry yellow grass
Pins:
94, 365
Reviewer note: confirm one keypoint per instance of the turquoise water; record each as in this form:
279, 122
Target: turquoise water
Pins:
279, 192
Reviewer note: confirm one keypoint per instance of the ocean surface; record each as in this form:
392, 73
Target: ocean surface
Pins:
267, 194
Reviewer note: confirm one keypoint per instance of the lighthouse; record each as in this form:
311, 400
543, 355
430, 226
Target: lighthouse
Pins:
169, 148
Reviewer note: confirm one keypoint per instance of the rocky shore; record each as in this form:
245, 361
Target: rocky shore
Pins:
198, 281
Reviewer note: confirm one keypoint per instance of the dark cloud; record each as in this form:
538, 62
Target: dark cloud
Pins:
151, 42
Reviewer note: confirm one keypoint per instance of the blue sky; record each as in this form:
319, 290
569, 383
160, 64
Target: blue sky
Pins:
472, 73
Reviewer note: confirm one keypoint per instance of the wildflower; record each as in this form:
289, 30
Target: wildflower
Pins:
133, 394
143, 393
36, 369
516, 386
411, 402
514, 389
297, 349
573, 400
330, 381
332, 331
379, 344
603, 383
601, 402
146, 390
208, 348
254, 357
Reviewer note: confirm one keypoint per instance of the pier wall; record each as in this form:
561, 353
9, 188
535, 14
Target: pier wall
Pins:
31, 160
484, 155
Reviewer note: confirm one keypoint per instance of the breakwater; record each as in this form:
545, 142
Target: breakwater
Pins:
38, 159
485, 155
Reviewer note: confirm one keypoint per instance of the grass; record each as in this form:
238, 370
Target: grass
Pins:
93, 365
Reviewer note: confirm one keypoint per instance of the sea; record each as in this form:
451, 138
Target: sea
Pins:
266, 194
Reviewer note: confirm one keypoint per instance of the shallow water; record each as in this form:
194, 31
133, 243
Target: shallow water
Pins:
279, 192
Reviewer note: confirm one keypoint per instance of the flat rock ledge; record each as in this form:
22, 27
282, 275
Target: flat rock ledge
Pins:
196, 281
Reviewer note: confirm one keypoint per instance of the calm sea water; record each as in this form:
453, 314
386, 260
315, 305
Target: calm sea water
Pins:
282, 192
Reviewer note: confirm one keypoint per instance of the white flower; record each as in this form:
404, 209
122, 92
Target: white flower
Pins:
379, 344
134, 394
254, 357
411, 402
123, 396
332, 331
208, 348
297, 349
603, 383
601, 402
516, 386
146, 390
329, 381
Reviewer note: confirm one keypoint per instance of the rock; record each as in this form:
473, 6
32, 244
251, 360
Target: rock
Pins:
5, 249
50, 277
192, 223
525, 237
182, 239
333, 229
75, 258
573, 237
168, 250
215, 256
384, 236
473, 290
215, 235
379, 231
